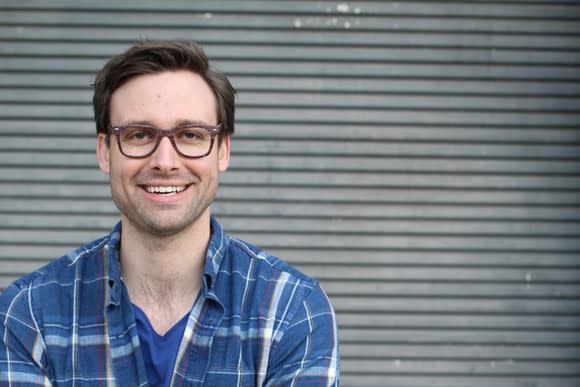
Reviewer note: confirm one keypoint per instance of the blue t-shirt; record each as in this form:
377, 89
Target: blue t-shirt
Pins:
159, 352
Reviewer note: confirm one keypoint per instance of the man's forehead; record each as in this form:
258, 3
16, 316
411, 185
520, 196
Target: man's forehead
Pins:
172, 97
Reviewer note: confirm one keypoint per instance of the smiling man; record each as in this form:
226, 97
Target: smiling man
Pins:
167, 298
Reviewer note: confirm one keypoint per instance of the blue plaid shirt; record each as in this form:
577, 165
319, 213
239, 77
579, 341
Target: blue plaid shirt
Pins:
257, 321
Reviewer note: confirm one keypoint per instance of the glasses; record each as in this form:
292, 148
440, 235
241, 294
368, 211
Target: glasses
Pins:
189, 141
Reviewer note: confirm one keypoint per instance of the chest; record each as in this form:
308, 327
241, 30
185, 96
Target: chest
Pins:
216, 348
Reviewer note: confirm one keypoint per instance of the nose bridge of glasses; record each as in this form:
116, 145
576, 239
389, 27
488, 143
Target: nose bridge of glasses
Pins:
169, 136
165, 153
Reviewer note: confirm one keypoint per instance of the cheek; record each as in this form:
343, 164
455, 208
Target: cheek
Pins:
115, 178
121, 169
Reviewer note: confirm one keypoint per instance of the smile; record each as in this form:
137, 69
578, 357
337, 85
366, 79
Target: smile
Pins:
165, 190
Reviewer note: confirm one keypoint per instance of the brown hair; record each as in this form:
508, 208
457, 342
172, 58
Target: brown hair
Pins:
152, 57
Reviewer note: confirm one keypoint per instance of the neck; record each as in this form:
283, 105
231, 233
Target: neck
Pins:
163, 273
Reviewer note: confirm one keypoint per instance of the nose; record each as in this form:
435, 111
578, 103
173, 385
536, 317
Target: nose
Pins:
165, 158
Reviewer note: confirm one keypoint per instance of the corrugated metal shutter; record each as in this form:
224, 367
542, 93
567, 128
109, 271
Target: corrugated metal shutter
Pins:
421, 159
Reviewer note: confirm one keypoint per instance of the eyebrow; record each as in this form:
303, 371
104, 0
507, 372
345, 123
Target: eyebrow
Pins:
180, 123
192, 122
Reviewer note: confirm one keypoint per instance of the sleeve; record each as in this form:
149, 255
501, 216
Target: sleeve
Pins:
22, 349
307, 354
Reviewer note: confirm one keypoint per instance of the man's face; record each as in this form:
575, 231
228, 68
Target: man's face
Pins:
163, 100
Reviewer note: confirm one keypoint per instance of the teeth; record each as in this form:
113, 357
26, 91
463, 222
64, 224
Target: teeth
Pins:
164, 189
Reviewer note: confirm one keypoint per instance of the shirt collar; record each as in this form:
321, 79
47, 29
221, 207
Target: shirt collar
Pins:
114, 267
216, 249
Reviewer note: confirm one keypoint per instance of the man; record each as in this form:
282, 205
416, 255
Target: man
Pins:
166, 299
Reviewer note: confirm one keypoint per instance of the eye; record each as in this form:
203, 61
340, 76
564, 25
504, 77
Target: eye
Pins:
192, 134
137, 134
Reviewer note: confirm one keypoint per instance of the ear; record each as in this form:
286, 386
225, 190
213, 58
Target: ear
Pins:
104, 153
224, 153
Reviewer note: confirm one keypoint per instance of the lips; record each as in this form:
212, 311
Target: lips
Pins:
165, 190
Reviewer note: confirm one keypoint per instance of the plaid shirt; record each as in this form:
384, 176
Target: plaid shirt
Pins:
256, 322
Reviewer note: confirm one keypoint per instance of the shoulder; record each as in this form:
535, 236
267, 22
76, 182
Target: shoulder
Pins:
249, 265
246, 256
271, 284
255, 255
48, 281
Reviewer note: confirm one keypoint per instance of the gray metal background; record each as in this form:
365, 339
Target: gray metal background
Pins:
422, 159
